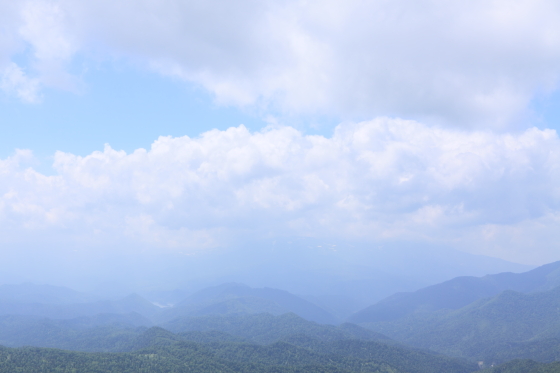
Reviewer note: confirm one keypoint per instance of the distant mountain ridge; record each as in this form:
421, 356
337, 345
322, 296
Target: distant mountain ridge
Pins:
507, 317
458, 293
131, 303
234, 298
506, 326
226, 299
266, 328
48, 294
127, 332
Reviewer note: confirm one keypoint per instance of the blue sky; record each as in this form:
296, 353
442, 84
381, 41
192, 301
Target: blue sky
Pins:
123, 106
417, 122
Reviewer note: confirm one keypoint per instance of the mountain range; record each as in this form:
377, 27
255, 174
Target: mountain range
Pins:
476, 318
487, 320
459, 292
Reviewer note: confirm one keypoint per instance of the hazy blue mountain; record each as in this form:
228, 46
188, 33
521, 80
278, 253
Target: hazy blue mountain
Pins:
267, 328
99, 333
131, 303
236, 298
488, 329
121, 320
459, 292
524, 366
32, 293
211, 336
339, 276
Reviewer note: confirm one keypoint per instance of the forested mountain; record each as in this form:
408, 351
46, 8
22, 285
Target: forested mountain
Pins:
116, 332
459, 292
226, 299
235, 298
509, 325
322, 272
267, 328
157, 350
234, 327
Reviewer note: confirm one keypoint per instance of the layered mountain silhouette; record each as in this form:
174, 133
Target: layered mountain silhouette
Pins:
33, 293
507, 326
233, 299
491, 319
131, 303
459, 292
455, 318
266, 328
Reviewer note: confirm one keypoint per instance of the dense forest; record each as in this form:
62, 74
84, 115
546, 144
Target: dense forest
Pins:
158, 350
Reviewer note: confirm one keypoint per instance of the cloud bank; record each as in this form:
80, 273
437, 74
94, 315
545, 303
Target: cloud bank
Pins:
386, 180
475, 64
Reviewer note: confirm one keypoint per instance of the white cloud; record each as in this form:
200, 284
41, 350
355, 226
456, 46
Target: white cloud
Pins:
386, 179
14, 81
476, 63
44, 27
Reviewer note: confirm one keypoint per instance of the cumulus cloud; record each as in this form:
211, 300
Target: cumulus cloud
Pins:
381, 180
35, 31
476, 63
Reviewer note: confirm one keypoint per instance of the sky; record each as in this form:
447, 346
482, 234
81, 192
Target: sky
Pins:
178, 127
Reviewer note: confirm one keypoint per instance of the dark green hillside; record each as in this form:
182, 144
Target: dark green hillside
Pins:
235, 298
458, 293
35, 360
287, 343
301, 350
185, 357
488, 329
266, 328
403, 358
168, 355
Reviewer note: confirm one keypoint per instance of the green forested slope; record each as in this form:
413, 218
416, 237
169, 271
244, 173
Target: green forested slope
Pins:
287, 344
266, 328
176, 360
403, 358
488, 329
227, 357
